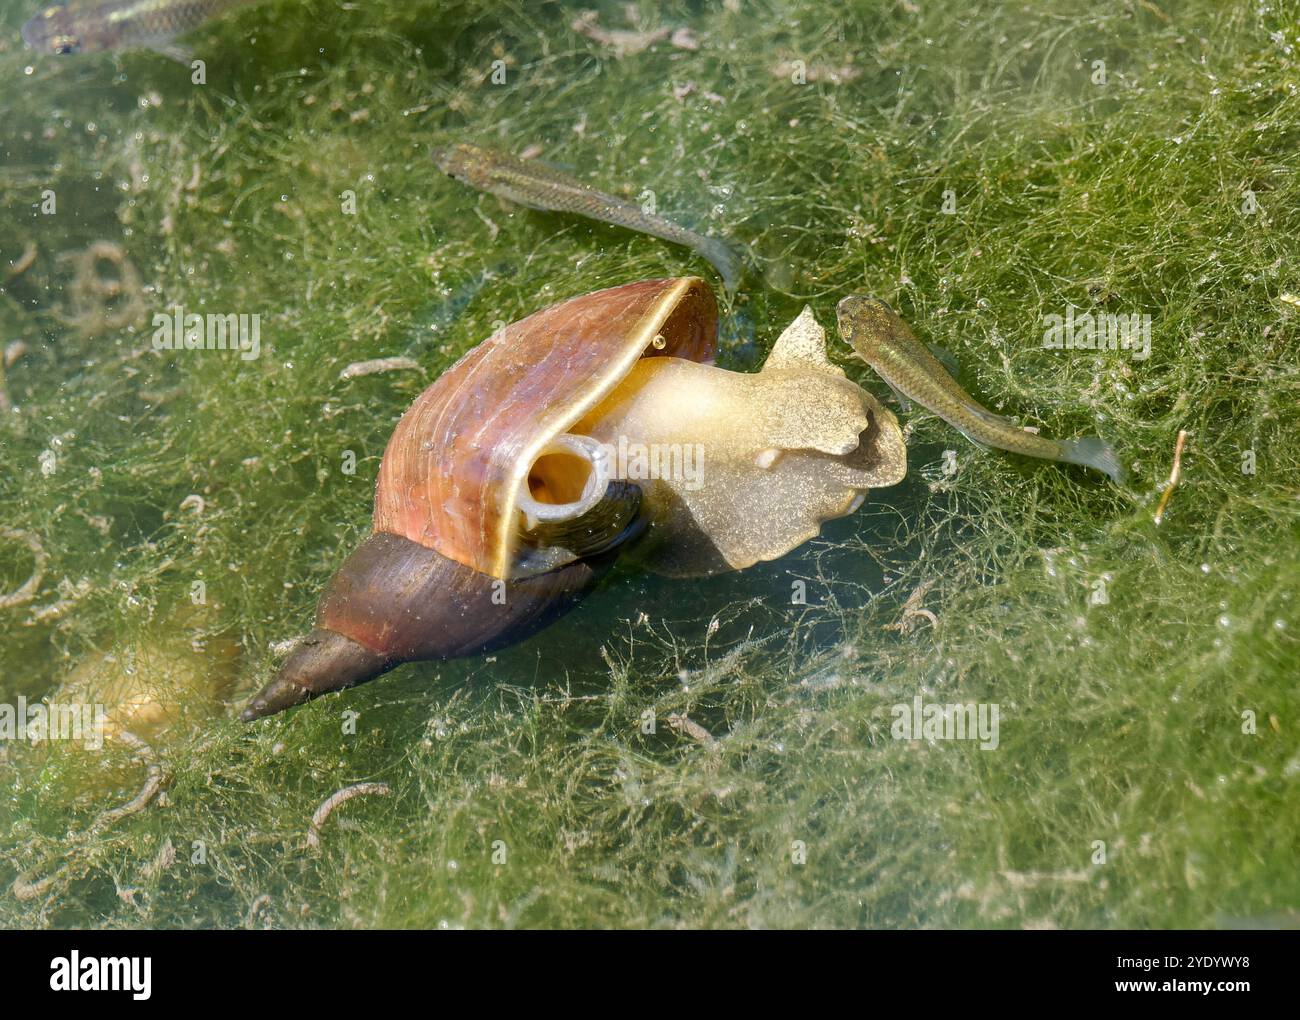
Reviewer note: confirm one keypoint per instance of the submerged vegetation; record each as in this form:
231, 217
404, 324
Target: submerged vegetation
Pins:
674, 753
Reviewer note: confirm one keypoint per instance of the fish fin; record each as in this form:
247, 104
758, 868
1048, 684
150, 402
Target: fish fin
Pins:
945, 358
975, 442
992, 417
1090, 451
728, 259
509, 204
900, 396
560, 168
178, 52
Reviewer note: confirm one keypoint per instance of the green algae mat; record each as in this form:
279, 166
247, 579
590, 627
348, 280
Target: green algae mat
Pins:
1092, 208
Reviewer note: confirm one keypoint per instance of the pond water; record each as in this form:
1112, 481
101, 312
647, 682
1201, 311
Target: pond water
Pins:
699, 751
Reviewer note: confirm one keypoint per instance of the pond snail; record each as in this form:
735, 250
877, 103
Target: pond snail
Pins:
505, 493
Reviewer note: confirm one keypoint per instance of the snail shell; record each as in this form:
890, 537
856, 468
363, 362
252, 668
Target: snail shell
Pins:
505, 492
489, 438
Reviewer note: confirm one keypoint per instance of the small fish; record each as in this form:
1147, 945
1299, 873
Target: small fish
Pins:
93, 26
885, 343
538, 186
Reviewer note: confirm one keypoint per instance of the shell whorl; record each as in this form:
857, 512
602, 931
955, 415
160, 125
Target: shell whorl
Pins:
456, 463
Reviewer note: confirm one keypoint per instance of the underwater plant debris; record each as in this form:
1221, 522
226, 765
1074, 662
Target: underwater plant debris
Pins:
719, 752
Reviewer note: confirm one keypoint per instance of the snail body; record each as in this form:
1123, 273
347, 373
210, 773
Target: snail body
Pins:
502, 499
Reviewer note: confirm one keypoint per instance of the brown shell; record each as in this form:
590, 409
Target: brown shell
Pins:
455, 462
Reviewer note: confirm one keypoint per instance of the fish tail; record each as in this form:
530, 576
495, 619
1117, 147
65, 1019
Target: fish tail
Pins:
1090, 451
726, 259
